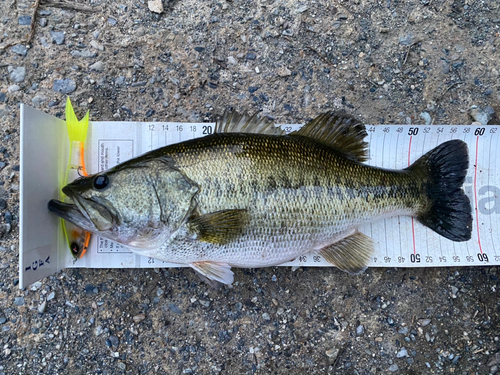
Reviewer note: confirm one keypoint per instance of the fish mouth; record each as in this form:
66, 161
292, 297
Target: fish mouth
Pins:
84, 213
73, 214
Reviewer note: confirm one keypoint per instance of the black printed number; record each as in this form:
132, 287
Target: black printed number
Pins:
415, 258
479, 131
482, 257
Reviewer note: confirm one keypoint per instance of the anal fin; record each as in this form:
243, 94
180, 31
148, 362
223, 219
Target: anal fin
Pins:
214, 273
350, 254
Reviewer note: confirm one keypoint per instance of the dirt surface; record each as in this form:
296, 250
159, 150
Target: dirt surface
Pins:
384, 61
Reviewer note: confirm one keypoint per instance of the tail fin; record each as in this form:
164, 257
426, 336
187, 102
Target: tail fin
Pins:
448, 211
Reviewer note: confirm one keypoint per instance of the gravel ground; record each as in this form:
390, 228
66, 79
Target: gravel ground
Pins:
384, 61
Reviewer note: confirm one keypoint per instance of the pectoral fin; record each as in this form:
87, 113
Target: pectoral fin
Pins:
214, 273
350, 254
218, 227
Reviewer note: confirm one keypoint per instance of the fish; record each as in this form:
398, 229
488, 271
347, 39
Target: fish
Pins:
77, 238
251, 196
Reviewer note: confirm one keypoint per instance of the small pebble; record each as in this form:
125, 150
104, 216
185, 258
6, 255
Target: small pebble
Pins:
38, 100
35, 286
51, 296
4, 229
122, 366
96, 45
91, 289
24, 20
111, 21
482, 115
57, 37
266, 316
98, 330
19, 49
393, 368
284, 71
113, 340
42, 307
139, 318
17, 74
251, 56
86, 53
406, 40
424, 322
97, 66
332, 353
19, 301
402, 353
155, 6
360, 330
426, 117
42, 22
64, 86
173, 307
205, 303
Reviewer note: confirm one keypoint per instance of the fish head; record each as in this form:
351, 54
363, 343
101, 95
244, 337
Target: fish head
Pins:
136, 205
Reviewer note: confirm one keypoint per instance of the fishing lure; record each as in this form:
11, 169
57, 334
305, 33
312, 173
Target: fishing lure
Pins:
78, 239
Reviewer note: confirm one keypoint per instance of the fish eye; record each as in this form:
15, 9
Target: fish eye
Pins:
100, 182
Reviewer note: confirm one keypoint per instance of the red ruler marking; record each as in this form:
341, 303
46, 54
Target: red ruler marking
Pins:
412, 221
475, 199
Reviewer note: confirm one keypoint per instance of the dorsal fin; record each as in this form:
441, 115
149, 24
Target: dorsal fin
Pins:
234, 122
340, 131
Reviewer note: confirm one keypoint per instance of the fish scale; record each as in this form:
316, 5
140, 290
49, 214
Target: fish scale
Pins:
297, 214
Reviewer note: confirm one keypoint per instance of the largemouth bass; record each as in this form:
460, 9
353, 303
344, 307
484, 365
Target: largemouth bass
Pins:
251, 196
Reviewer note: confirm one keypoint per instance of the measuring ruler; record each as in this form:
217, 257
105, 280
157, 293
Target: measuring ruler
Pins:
399, 241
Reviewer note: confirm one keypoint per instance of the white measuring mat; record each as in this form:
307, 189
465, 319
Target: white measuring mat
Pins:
399, 241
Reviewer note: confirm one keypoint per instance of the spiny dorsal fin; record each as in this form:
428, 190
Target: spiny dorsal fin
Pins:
218, 227
350, 254
340, 131
234, 122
